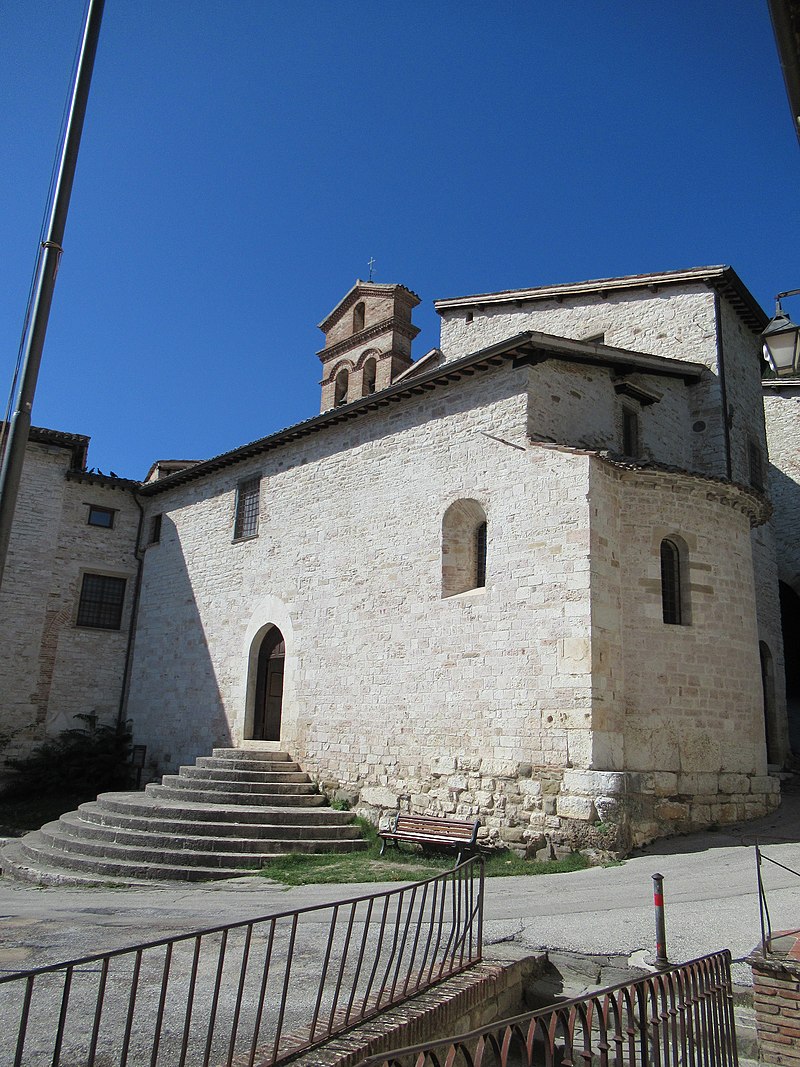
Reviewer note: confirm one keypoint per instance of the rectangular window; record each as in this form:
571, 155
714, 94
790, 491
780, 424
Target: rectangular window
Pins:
101, 516
756, 466
101, 602
247, 501
630, 432
155, 529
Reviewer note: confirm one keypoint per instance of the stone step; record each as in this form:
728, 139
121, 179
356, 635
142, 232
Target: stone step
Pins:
250, 754
230, 813
16, 864
224, 774
274, 766
173, 791
72, 835
35, 849
147, 805
310, 822
178, 781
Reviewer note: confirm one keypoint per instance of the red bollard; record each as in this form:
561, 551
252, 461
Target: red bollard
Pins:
661, 928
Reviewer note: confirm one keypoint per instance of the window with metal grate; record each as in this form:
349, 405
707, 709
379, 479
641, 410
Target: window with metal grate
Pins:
247, 501
100, 605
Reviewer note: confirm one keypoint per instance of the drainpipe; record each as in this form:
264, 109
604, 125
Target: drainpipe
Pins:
726, 415
126, 673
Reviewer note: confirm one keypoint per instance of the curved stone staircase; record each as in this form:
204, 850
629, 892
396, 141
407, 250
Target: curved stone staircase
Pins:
222, 818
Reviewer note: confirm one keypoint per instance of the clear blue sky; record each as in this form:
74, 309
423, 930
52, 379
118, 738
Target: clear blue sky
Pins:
241, 161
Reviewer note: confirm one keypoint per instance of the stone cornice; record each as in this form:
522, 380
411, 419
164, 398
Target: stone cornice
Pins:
392, 324
722, 278
756, 506
400, 293
742, 498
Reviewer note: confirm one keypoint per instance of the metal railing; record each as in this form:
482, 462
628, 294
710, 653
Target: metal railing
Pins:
683, 1015
257, 991
763, 907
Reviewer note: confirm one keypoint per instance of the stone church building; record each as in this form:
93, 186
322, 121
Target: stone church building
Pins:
536, 575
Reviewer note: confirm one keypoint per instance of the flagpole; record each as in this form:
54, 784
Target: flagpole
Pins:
49, 258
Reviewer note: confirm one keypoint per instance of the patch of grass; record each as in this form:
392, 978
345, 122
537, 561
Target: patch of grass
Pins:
19, 814
400, 864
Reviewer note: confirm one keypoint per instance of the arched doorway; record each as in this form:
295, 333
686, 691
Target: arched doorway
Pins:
269, 687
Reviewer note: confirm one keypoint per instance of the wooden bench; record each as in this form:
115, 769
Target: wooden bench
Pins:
456, 834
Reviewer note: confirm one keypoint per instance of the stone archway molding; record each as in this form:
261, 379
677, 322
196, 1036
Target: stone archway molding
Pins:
270, 611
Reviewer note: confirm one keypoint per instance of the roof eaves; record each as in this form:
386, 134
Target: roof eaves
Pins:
760, 507
76, 443
375, 287
528, 346
109, 481
721, 277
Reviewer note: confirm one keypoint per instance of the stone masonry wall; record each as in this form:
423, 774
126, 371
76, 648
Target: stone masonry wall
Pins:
782, 409
389, 688
741, 348
577, 405
24, 598
679, 707
52, 670
487, 702
676, 322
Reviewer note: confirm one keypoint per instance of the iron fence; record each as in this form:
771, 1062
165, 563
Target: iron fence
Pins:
683, 1015
249, 992
767, 934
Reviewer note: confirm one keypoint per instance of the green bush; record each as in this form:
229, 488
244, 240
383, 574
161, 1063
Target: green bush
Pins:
85, 760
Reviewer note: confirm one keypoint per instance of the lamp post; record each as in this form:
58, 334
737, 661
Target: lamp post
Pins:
782, 341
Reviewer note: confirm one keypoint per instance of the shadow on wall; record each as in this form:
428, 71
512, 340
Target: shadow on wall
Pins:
174, 700
785, 493
790, 625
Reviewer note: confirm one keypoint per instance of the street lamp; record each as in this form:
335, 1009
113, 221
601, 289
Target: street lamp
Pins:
782, 341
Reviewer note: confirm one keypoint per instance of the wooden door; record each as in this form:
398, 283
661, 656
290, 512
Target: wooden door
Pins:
269, 687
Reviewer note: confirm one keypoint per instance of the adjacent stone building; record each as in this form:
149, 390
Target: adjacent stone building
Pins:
68, 593
530, 576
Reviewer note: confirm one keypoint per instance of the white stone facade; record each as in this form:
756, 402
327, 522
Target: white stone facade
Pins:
553, 699
544, 691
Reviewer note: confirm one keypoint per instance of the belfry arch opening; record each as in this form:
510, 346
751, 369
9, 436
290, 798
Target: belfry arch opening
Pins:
268, 704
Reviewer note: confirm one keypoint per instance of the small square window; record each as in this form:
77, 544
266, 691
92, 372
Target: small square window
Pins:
101, 516
248, 496
101, 602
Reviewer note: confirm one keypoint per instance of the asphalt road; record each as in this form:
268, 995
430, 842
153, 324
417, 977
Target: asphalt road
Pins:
711, 901
709, 887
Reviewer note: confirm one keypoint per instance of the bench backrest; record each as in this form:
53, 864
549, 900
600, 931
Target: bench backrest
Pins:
430, 825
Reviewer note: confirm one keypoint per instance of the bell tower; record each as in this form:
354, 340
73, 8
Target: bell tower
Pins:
368, 339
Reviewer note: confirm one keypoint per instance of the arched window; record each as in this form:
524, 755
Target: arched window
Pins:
672, 607
480, 555
464, 542
340, 395
370, 372
358, 316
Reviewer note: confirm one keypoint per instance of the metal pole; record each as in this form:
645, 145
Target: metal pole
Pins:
661, 927
50, 256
